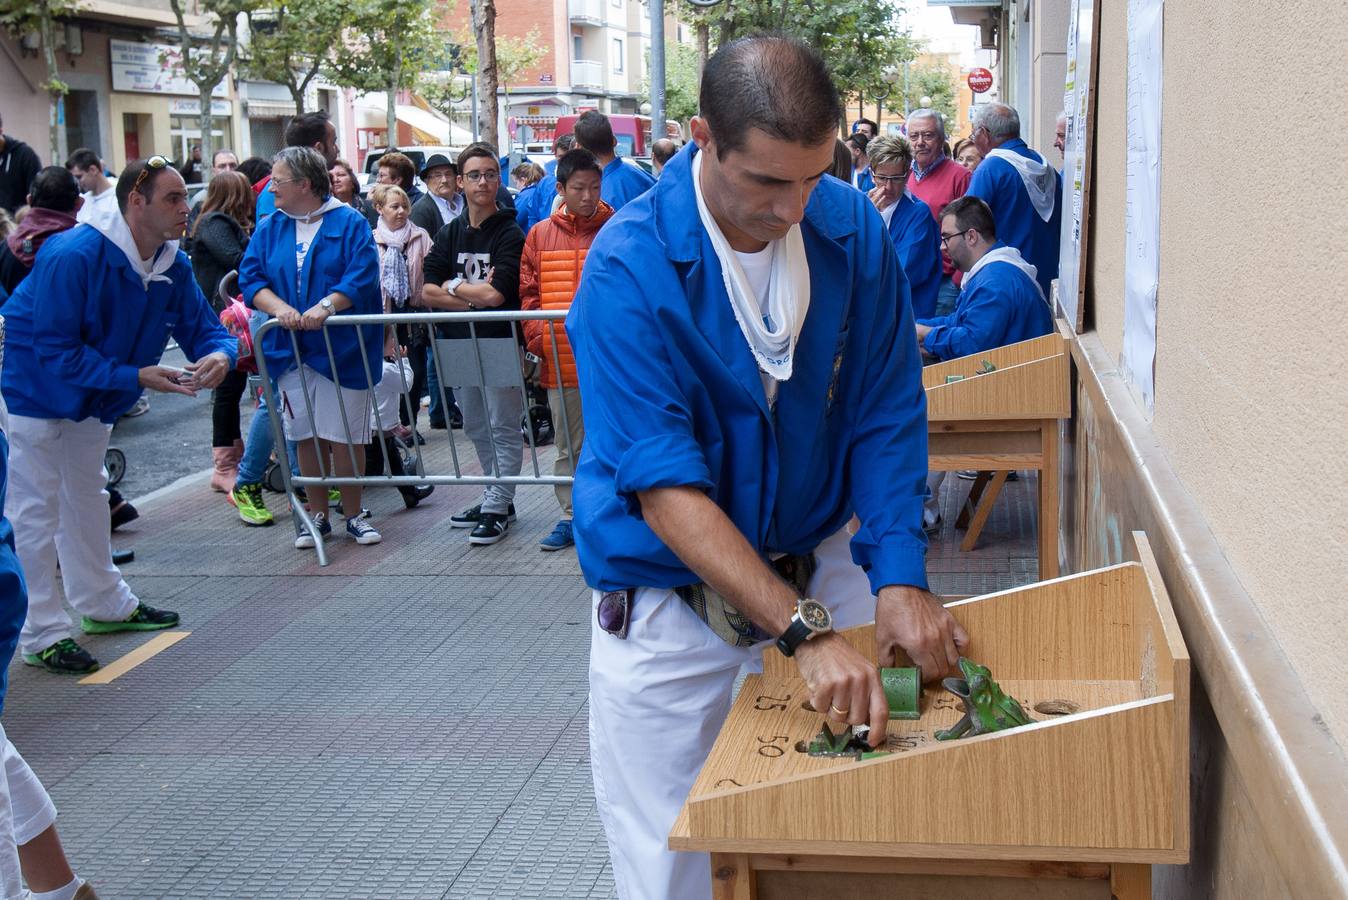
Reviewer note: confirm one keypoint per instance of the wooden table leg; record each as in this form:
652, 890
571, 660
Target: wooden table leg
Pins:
984, 511
731, 877
971, 502
1049, 476
1130, 881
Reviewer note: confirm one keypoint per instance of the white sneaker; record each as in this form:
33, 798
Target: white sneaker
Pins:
141, 407
361, 531
931, 520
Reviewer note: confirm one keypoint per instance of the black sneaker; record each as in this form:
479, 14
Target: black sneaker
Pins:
142, 618
490, 529
64, 657
473, 514
415, 494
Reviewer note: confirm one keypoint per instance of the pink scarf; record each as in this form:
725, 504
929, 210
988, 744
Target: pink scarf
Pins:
414, 243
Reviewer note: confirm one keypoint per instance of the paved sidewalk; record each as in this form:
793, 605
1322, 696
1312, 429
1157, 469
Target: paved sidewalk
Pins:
408, 722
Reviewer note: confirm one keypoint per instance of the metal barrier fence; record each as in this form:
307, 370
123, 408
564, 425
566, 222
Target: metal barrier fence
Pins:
475, 363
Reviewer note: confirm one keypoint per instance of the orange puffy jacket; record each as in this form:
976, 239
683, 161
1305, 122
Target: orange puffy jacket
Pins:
554, 254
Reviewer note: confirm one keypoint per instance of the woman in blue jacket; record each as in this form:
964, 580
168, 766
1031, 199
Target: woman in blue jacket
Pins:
314, 260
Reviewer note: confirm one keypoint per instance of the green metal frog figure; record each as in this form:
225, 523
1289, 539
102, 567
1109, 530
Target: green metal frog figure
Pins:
986, 707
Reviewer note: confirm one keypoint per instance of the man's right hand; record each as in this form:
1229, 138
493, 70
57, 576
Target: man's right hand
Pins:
841, 680
164, 380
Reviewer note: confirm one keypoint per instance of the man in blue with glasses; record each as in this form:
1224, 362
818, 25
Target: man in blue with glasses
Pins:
751, 380
85, 333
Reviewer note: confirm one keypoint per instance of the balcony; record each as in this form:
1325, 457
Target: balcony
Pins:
587, 12
586, 73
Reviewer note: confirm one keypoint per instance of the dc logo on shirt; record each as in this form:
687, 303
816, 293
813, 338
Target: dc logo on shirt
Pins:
475, 266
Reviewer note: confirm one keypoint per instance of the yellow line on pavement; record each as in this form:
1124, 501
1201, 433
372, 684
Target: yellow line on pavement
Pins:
151, 648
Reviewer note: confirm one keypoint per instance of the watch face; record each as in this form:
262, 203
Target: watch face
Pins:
815, 615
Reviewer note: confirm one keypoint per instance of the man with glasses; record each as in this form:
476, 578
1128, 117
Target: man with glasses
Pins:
935, 180
71, 369
1023, 191
474, 264
911, 226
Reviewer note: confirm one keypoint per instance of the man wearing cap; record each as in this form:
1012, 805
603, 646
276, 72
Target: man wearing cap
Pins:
442, 202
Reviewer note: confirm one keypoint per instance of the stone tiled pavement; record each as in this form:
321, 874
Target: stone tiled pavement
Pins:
408, 722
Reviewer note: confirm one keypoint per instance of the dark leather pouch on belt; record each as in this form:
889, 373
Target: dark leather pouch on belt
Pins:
729, 623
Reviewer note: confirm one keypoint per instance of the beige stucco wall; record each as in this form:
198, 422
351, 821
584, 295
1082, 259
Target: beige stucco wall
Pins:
1251, 398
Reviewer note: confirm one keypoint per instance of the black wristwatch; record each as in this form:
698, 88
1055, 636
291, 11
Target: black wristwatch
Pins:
812, 619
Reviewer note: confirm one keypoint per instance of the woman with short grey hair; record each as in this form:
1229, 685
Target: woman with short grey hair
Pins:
312, 259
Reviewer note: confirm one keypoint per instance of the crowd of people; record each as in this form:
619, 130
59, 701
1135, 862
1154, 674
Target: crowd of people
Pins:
686, 320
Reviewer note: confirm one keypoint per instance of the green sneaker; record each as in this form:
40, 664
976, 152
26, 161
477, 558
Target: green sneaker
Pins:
252, 508
65, 657
145, 618
334, 495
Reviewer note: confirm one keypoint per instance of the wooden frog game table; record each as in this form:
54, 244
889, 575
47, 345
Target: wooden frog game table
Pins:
999, 422
1076, 805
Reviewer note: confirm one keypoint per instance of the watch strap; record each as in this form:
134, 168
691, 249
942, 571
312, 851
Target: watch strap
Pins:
796, 634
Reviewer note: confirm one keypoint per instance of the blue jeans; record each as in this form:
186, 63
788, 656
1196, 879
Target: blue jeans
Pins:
946, 296
257, 449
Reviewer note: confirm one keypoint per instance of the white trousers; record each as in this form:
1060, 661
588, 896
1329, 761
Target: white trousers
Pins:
59, 509
657, 702
26, 811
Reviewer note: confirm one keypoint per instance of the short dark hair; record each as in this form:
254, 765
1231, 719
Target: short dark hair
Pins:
858, 140
578, 160
255, 168
83, 158
563, 143
54, 188
595, 133
875, 129
776, 84
307, 130
131, 174
663, 150
403, 168
971, 212
473, 151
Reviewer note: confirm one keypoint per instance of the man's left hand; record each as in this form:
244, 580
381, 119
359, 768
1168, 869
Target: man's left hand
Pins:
209, 371
913, 620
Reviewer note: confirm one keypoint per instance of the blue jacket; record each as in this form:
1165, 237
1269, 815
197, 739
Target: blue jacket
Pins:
673, 395
917, 240
13, 590
998, 306
82, 324
523, 203
266, 203
863, 180
532, 208
623, 183
342, 258
999, 185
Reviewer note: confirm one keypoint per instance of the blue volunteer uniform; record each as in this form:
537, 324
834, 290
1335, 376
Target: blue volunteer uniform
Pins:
674, 397
266, 203
917, 240
344, 257
863, 180
13, 591
999, 185
999, 305
623, 182
83, 324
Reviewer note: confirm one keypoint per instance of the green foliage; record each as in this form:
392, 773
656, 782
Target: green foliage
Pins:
859, 39
291, 42
384, 45
681, 81
514, 56
20, 17
935, 82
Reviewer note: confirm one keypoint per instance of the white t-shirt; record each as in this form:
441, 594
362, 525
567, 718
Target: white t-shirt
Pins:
95, 205
758, 272
304, 236
888, 212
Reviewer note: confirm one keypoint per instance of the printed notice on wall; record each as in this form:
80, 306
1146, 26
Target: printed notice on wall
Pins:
1142, 226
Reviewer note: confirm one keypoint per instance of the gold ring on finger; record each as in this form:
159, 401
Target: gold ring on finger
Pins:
836, 711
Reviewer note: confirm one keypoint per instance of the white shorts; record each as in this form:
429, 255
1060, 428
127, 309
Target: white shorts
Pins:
328, 403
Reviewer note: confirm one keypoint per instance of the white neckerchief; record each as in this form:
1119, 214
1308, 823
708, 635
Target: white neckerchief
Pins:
772, 339
115, 229
1041, 180
1007, 255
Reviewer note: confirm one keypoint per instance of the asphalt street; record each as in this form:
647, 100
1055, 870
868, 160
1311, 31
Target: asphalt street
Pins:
173, 439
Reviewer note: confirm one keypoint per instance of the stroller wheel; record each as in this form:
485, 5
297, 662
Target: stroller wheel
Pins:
114, 461
273, 480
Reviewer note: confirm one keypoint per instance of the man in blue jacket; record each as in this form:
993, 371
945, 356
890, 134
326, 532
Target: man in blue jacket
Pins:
1023, 191
86, 331
746, 353
623, 182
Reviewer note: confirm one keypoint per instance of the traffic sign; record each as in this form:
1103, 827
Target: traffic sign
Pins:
980, 80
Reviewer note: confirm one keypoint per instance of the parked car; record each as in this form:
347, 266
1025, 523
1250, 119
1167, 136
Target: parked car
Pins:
417, 154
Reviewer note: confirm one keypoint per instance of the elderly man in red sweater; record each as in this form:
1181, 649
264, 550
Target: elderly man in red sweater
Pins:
936, 180
554, 254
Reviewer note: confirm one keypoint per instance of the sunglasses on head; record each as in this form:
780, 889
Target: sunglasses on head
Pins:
153, 164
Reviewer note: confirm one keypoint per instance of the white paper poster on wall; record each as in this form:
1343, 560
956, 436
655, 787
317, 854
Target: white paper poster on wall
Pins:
1142, 225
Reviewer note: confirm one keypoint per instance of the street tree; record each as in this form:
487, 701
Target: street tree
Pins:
488, 68
24, 17
934, 82
385, 46
206, 56
514, 57
291, 42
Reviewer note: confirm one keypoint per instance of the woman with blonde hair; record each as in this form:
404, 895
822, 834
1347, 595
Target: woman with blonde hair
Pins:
219, 239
